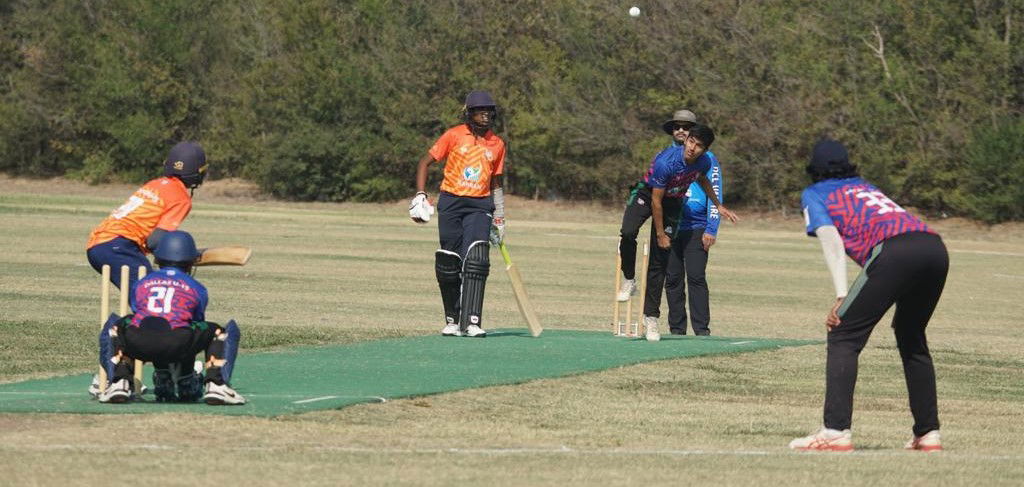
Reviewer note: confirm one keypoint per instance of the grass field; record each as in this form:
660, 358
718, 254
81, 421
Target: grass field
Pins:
342, 273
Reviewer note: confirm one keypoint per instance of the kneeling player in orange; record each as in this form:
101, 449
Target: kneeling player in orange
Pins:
168, 328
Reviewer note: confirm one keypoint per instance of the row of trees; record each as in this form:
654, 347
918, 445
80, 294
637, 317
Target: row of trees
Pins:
337, 99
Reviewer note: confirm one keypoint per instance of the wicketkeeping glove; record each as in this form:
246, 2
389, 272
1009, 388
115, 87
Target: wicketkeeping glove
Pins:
497, 234
420, 208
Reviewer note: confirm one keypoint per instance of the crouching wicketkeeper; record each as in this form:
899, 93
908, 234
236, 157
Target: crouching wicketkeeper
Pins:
168, 329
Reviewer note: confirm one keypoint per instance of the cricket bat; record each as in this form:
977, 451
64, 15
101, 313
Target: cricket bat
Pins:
234, 255
517, 287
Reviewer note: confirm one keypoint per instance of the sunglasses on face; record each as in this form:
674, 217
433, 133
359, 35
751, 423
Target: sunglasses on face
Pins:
682, 126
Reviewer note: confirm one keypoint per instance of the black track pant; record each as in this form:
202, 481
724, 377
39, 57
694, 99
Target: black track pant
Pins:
638, 210
156, 342
463, 220
907, 270
689, 258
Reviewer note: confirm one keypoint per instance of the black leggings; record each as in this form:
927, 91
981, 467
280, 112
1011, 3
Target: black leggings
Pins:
690, 259
907, 270
156, 342
638, 210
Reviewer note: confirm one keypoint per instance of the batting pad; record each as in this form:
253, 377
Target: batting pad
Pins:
330, 377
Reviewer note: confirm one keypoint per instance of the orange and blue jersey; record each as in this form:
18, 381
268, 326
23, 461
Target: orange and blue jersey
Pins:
670, 172
470, 161
171, 294
861, 213
161, 203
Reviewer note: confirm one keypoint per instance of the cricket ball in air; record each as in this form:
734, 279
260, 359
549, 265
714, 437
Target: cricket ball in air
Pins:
634, 11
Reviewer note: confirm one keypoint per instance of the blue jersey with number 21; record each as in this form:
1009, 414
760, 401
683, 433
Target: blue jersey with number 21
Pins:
862, 214
171, 294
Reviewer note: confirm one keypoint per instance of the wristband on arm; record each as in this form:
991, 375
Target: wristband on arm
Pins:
499, 203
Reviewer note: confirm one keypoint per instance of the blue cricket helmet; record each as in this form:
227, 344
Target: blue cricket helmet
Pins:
177, 247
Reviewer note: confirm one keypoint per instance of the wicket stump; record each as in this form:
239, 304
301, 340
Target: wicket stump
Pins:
121, 311
625, 326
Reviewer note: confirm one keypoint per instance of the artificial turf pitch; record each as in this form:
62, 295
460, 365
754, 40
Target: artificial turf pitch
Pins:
330, 377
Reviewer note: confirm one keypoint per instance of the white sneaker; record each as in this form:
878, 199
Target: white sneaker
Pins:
627, 289
825, 440
651, 329
451, 330
222, 395
116, 393
475, 331
928, 442
94, 387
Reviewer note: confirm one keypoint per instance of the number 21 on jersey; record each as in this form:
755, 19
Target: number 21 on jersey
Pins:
160, 299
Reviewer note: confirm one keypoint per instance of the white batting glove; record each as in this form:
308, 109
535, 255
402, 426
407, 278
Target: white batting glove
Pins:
497, 234
420, 208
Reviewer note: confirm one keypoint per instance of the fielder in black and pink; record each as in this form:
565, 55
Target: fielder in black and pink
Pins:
904, 263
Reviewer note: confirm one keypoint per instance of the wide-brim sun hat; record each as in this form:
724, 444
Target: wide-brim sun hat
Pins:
680, 116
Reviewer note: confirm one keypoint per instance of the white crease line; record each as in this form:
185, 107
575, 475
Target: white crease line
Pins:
741, 343
988, 252
573, 235
379, 399
315, 399
1008, 275
21, 447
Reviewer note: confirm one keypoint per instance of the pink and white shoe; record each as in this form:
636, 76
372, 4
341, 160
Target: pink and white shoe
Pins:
825, 440
928, 442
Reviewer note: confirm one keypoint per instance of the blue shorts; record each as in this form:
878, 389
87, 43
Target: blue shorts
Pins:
116, 253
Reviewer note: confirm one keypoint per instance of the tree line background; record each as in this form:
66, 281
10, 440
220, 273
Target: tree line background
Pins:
337, 100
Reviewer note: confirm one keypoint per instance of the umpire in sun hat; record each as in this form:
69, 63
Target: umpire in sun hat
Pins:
679, 118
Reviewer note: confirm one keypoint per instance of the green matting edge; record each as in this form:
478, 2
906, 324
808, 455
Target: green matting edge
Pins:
306, 379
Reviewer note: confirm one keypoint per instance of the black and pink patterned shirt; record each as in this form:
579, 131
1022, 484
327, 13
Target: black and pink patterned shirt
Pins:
863, 215
171, 294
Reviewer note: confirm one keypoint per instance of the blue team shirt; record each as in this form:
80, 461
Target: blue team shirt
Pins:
863, 215
698, 211
668, 171
171, 294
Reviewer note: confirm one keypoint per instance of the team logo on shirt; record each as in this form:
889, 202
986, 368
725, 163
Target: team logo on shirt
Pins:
472, 173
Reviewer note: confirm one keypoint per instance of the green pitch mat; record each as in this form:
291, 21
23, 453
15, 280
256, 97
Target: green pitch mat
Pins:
330, 377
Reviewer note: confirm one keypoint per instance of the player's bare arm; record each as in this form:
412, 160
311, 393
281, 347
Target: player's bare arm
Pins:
421, 172
657, 194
